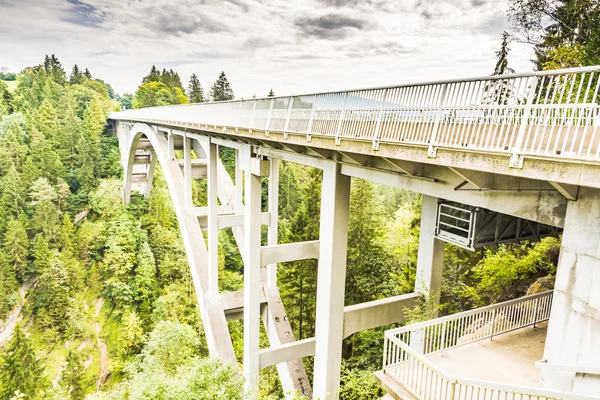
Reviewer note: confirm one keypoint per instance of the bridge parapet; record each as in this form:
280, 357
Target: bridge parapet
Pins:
550, 114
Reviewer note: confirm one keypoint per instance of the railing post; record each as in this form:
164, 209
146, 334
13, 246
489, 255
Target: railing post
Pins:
339, 127
251, 117
311, 119
432, 151
516, 160
287, 119
385, 351
269, 117
379, 118
493, 324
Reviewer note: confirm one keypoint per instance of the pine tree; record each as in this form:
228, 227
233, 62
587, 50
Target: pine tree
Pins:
43, 198
12, 198
16, 245
221, 90
41, 255
87, 74
20, 368
195, 91
73, 377
153, 76
500, 91
76, 76
8, 283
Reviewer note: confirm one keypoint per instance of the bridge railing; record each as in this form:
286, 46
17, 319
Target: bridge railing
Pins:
549, 114
406, 348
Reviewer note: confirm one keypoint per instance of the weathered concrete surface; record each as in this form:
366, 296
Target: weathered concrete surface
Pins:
574, 330
508, 358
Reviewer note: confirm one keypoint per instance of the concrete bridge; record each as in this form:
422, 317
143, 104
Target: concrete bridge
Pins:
497, 159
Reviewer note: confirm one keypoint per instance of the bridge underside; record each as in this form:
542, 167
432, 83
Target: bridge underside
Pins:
513, 169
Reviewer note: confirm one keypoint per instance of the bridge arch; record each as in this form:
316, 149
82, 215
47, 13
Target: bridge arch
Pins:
211, 308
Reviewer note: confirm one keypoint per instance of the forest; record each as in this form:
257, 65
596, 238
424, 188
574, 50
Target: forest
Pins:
96, 299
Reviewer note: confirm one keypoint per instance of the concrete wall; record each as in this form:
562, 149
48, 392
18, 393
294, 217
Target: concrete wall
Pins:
574, 329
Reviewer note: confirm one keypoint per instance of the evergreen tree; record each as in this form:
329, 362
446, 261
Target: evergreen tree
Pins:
72, 378
153, 76
87, 74
195, 91
16, 245
8, 283
41, 255
500, 91
12, 199
271, 93
221, 89
76, 76
43, 198
20, 368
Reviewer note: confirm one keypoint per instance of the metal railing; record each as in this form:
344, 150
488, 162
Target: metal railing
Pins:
406, 348
549, 114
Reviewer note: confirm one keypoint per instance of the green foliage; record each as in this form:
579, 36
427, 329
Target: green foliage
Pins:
73, 377
195, 91
359, 384
20, 368
221, 89
160, 89
16, 247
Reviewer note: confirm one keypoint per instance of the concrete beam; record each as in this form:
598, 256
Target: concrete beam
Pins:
569, 191
226, 221
377, 313
476, 178
289, 252
286, 352
407, 167
514, 197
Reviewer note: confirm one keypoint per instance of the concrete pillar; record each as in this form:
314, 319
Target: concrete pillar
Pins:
574, 327
150, 176
430, 257
213, 233
335, 199
238, 179
252, 286
274, 211
187, 171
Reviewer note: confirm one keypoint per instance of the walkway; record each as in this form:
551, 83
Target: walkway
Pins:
508, 358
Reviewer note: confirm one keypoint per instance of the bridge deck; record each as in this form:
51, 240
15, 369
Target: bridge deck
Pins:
508, 358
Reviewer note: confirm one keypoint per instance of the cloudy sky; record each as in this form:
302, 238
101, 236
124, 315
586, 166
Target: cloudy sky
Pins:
292, 46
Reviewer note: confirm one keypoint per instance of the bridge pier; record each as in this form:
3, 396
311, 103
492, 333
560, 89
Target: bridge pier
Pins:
430, 257
572, 347
331, 278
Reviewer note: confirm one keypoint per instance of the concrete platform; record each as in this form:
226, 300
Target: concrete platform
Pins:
508, 358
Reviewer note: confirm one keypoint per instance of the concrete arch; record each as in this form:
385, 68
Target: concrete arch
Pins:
211, 308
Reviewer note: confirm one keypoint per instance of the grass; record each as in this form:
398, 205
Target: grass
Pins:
12, 85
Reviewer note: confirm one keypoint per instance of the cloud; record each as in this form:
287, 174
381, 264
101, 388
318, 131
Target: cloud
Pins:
330, 26
83, 14
292, 46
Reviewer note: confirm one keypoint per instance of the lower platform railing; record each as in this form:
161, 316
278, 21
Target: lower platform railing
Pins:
405, 350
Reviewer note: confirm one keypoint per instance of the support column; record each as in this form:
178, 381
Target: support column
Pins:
430, 258
213, 233
187, 171
274, 211
252, 284
574, 326
150, 177
335, 200
238, 179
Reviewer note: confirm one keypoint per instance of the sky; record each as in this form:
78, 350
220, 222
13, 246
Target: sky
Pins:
290, 46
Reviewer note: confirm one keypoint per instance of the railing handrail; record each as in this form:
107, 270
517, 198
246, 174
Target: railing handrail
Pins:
488, 384
564, 71
399, 337
437, 321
